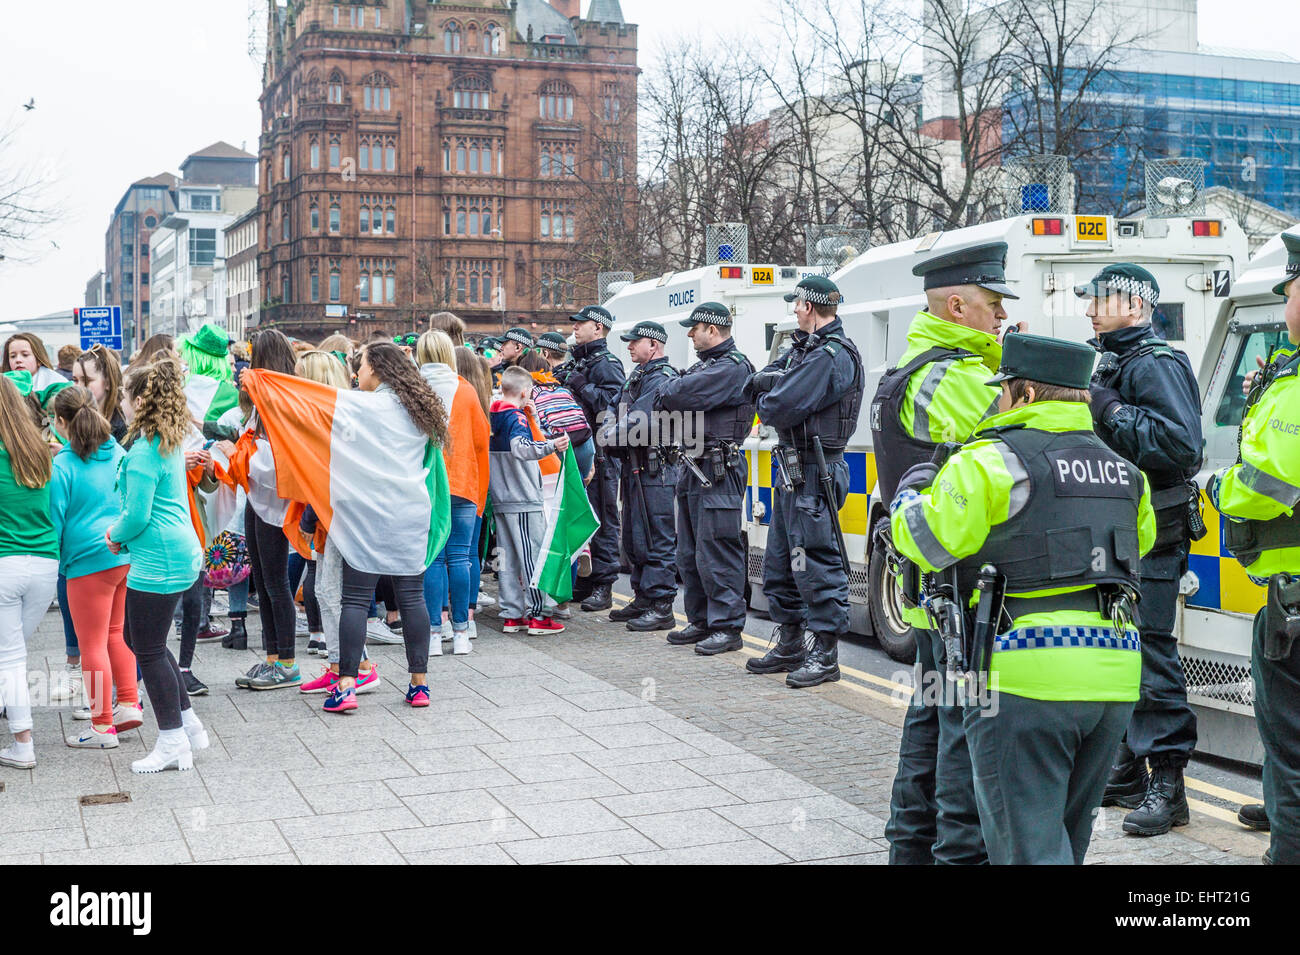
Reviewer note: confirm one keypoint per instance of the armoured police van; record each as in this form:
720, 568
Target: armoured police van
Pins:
755, 294
1194, 260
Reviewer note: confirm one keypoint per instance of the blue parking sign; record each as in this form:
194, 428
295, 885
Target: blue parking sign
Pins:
100, 325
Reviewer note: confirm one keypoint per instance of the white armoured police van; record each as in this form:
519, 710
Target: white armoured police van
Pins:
754, 293
1194, 260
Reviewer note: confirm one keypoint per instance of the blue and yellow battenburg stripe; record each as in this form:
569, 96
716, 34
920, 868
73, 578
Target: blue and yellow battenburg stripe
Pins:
855, 515
1224, 584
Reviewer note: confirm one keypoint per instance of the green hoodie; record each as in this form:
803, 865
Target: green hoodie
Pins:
25, 525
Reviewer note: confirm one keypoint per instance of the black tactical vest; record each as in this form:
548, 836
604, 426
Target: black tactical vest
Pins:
1246, 540
895, 449
728, 422
1079, 525
835, 423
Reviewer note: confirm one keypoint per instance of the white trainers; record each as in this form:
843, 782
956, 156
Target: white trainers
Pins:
473, 629
562, 611
127, 716
65, 686
93, 738
172, 751
194, 731
435, 645
447, 631
81, 713
485, 600
300, 625
377, 632
460, 643
19, 755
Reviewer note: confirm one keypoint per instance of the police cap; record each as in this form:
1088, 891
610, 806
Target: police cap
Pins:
982, 265
520, 336
593, 313
651, 330
816, 289
714, 313
1292, 243
1122, 277
552, 341
1052, 361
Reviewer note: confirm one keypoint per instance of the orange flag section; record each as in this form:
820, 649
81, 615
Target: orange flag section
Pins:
551, 463
300, 430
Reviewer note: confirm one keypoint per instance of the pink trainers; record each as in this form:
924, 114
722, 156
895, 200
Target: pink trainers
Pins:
367, 679
541, 626
515, 625
417, 695
323, 683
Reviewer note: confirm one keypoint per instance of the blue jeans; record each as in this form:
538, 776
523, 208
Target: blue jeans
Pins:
70, 632
296, 567
475, 562
447, 580
584, 454
239, 597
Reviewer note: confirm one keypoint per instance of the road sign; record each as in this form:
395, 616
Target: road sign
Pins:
100, 325
1222, 283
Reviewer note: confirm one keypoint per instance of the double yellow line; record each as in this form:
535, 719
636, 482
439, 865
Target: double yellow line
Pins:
756, 647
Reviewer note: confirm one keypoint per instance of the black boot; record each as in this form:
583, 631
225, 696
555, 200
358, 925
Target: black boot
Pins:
1127, 785
658, 616
638, 606
788, 654
821, 665
1254, 817
719, 641
1164, 807
237, 638
692, 633
600, 599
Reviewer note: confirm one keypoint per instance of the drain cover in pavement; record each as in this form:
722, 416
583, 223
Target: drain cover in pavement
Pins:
104, 799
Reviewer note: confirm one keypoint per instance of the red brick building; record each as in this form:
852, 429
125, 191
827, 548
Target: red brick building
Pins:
419, 156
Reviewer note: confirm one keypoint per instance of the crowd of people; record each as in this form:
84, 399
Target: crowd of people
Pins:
133, 494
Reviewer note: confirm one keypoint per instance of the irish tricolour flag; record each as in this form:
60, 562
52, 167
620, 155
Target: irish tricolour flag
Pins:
572, 524
375, 480
208, 399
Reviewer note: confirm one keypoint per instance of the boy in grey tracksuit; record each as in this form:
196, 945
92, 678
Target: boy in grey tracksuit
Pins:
516, 488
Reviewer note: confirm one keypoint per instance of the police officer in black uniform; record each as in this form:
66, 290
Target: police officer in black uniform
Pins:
635, 434
1146, 406
516, 341
595, 376
811, 392
710, 549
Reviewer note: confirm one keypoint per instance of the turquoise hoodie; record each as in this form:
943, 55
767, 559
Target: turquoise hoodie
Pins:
83, 504
155, 523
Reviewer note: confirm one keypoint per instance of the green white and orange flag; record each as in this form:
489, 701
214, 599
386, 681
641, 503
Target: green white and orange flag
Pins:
208, 399
369, 473
572, 524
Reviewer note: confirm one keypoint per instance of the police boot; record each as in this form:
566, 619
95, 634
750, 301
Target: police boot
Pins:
638, 606
1254, 817
822, 664
237, 638
1164, 807
719, 641
600, 599
1127, 785
786, 656
658, 616
692, 633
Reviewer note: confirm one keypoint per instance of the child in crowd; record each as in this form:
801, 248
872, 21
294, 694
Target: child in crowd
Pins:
516, 488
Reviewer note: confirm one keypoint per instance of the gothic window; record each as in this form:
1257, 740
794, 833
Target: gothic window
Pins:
377, 93
493, 38
336, 87
451, 37
556, 101
471, 92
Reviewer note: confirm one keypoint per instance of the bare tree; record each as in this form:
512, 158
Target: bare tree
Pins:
27, 208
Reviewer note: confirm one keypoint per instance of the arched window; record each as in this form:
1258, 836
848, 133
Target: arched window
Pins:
315, 216
471, 38
335, 217
493, 38
555, 101
335, 150
471, 91
336, 87
377, 93
315, 282
314, 153
336, 280
364, 222
451, 37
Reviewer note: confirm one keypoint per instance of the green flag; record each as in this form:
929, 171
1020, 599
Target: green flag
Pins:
573, 523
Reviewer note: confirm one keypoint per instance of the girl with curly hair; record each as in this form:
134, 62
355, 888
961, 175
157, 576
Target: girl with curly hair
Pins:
155, 529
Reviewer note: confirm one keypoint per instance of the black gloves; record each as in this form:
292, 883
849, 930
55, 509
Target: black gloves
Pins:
1103, 400
762, 382
576, 381
918, 476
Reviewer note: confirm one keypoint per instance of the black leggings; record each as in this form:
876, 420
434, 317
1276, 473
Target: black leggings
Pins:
194, 614
148, 622
268, 556
358, 590
309, 602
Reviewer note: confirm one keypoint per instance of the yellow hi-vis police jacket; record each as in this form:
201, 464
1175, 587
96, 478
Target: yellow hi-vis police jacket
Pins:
1266, 484
974, 492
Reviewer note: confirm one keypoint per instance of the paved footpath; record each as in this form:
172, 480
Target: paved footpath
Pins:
597, 745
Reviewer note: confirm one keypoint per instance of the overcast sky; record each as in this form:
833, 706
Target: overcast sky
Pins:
129, 88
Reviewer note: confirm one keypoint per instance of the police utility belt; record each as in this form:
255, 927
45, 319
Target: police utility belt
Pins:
792, 463
1178, 515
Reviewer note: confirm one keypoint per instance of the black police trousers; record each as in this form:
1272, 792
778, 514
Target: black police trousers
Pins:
651, 550
803, 578
710, 550
1163, 728
602, 492
933, 818
1277, 714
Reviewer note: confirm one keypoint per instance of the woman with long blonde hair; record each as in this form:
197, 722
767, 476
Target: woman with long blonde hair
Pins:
155, 528
29, 562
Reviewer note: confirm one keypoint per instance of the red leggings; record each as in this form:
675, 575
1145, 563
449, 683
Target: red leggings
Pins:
98, 606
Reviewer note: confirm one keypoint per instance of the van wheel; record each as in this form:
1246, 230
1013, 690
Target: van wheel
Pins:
896, 636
